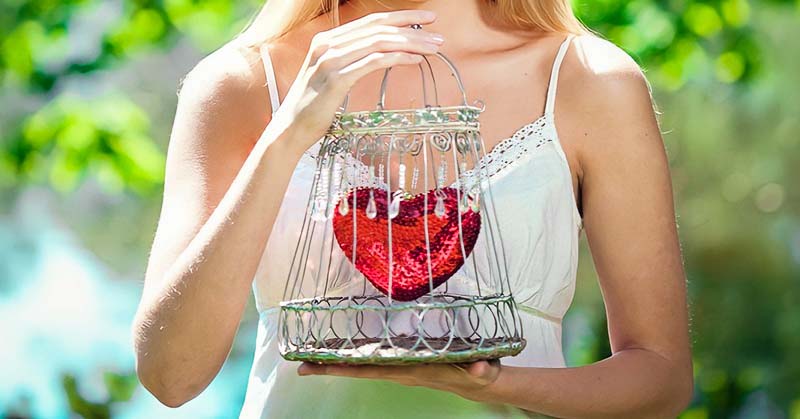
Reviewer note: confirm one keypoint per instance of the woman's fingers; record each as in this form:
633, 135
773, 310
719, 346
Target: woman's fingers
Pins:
458, 378
342, 66
393, 18
340, 58
340, 52
483, 372
368, 26
385, 31
375, 61
427, 373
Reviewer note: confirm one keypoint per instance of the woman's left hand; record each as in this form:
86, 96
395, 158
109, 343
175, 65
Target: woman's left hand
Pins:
468, 380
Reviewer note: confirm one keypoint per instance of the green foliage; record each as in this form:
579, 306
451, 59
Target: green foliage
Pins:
79, 404
34, 52
681, 41
120, 388
69, 138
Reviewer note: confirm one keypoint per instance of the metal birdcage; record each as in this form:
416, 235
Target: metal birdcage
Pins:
393, 264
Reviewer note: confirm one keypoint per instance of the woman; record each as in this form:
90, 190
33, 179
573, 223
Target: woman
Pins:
236, 177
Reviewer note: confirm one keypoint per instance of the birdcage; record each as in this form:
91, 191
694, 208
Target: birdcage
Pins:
396, 262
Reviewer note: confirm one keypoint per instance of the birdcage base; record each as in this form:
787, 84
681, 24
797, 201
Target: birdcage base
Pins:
406, 350
368, 329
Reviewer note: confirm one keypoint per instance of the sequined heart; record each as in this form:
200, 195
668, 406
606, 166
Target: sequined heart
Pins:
410, 274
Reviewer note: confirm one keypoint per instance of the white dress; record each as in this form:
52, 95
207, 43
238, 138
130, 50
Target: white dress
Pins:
540, 227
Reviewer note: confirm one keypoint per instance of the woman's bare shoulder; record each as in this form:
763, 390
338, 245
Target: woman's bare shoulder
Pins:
598, 71
602, 57
604, 104
604, 84
223, 84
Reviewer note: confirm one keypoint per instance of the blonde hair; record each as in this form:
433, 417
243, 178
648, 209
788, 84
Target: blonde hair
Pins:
278, 17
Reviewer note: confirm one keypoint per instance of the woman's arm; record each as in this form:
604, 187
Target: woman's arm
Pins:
605, 110
222, 190
629, 220
225, 179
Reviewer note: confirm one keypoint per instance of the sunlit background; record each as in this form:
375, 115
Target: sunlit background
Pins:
88, 97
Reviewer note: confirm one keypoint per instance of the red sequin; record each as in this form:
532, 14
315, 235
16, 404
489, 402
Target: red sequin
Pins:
410, 276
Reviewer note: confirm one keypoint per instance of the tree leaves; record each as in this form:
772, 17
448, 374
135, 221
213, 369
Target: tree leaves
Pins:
70, 139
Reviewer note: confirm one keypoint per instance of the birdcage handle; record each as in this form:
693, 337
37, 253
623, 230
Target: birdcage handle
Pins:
343, 107
442, 57
382, 99
453, 69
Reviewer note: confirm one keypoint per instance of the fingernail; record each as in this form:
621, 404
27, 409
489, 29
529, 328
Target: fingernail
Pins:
428, 15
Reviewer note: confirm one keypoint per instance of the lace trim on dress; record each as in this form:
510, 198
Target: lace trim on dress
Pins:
502, 156
511, 150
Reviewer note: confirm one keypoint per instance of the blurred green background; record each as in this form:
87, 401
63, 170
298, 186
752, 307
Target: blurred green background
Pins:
88, 97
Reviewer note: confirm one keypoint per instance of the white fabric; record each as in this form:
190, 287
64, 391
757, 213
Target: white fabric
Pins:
540, 227
272, 84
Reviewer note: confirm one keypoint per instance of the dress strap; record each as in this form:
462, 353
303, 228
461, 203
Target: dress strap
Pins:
551, 88
272, 84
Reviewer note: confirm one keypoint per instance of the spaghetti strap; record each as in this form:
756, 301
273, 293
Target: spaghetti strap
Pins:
551, 88
272, 84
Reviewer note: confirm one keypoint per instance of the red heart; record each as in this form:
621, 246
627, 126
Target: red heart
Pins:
410, 277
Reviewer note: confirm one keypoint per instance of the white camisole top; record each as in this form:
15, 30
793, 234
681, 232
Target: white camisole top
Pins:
540, 227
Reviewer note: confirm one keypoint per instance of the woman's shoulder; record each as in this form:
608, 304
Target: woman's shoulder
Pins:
223, 83
595, 67
599, 76
604, 98
232, 71
233, 77
601, 56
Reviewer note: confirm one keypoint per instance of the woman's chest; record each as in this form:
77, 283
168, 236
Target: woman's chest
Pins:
523, 181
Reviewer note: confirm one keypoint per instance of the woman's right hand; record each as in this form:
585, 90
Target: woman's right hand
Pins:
339, 57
